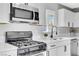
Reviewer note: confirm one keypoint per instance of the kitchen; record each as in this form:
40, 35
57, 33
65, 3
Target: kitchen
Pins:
50, 28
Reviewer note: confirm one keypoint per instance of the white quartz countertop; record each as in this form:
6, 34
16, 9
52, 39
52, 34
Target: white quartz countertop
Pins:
70, 38
57, 39
46, 40
6, 47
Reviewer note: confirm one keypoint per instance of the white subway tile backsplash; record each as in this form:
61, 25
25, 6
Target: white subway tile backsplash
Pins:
76, 31
62, 32
18, 27
37, 30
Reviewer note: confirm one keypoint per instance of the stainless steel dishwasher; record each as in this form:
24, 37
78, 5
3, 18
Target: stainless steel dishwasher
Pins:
74, 47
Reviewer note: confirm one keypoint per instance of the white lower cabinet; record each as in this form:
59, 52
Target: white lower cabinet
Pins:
51, 49
9, 53
60, 49
63, 50
68, 51
78, 51
78, 48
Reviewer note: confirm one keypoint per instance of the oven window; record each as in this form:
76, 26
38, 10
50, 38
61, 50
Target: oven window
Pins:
22, 13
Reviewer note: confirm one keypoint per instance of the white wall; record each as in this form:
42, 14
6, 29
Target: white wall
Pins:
19, 27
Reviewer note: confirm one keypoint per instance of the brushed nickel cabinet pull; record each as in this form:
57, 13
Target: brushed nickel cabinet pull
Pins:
65, 48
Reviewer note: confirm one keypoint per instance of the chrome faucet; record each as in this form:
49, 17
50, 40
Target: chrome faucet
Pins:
52, 32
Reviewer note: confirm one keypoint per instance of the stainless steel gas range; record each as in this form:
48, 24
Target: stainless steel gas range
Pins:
23, 40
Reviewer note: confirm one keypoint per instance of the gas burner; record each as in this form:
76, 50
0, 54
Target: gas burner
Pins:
24, 43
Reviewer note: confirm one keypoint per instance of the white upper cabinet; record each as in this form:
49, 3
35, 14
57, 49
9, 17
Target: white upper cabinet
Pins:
76, 20
4, 12
65, 18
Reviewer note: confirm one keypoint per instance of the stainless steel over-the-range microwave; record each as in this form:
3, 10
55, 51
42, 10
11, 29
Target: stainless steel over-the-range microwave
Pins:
23, 13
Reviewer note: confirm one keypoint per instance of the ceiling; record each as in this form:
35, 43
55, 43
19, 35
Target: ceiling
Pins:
71, 5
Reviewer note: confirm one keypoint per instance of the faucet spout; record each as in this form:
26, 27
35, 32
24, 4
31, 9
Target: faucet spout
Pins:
51, 32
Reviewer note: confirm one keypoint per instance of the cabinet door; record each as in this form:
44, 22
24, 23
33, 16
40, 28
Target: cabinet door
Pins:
61, 51
51, 52
9, 53
69, 17
65, 18
4, 12
76, 21
67, 53
78, 48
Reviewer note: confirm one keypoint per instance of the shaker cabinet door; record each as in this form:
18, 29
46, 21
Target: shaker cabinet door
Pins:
9, 53
4, 12
65, 18
61, 51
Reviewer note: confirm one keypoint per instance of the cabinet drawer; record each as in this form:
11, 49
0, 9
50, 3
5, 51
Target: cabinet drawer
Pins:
51, 46
64, 42
60, 43
9, 53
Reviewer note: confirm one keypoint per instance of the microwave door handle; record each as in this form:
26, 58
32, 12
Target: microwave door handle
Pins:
33, 15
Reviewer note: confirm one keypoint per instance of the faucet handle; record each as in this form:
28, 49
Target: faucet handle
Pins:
51, 36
